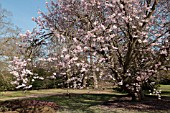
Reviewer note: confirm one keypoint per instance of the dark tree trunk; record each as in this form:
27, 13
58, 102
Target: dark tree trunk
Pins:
134, 94
137, 96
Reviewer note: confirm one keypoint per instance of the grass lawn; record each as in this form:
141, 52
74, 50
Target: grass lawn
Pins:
9, 95
165, 90
92, 101
97, 103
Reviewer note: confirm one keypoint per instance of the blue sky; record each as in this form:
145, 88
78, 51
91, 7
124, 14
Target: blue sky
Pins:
23, 11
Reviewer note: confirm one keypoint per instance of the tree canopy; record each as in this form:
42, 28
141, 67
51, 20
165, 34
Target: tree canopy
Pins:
126, 41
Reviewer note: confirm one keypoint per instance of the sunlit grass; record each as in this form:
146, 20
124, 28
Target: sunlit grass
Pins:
165, 87
7, 95
165, 90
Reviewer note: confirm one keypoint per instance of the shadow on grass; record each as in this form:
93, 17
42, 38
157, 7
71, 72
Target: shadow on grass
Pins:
150, 103
166, 93
84, 102
79, 102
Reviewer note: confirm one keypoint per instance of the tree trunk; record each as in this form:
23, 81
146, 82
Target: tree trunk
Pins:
137, 96
84, 84
74, 85
95, 81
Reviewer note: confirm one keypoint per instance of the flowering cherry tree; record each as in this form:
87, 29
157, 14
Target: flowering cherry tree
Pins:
126, 40
21, 73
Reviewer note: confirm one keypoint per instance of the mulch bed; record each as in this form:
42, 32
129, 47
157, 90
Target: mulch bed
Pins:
28, 106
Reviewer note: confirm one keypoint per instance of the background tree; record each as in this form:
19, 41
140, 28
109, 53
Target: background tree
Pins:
8, 48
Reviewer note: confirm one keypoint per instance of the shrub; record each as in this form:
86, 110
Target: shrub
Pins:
5, 82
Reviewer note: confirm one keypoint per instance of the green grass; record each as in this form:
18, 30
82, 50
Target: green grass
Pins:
81, 101
85, 103
91, 103
165, 87
78, 102
12, 94
8, 95
165, 90
21, 94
